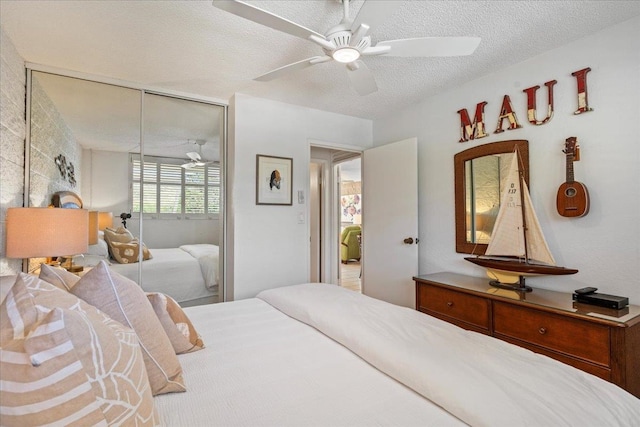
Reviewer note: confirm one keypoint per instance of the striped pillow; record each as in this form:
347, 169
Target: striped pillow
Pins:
109, 354
176, 324
43, 381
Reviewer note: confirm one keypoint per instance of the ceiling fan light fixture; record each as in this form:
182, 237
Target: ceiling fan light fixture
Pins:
346, 55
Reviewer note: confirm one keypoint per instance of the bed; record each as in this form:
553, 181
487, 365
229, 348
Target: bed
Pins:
321, 355
189, 273
317, 354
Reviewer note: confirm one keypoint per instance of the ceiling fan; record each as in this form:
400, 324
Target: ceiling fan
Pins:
348, 41
195, 159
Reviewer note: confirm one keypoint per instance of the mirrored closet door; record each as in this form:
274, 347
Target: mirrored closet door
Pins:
149, 165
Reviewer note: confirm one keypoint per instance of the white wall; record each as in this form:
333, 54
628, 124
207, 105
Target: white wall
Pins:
604, 245
12, 135
269, 248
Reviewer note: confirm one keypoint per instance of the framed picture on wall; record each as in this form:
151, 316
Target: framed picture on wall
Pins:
274, 180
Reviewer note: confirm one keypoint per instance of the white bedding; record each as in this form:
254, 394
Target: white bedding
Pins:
207, 256
479, 379
263, 368
176, 272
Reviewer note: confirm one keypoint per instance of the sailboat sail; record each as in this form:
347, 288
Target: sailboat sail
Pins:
517, 235
507, 237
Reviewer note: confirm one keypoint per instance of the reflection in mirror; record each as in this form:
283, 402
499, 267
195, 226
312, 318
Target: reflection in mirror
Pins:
479, 172
483, 186
179, 186
80, 134
96, 127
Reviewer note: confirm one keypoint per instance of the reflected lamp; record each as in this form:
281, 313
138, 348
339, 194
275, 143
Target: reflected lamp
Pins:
105, 220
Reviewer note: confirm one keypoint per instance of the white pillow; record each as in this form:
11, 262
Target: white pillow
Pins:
100, 248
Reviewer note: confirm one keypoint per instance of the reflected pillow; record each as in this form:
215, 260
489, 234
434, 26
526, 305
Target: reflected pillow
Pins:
99, 249
123, 247
176, 324
124, 301
119, 234
127, 253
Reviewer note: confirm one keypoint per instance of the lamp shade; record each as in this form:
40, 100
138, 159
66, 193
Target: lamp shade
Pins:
93, 227
46, 232
105, 220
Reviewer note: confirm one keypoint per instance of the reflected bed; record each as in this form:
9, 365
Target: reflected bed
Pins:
188, 273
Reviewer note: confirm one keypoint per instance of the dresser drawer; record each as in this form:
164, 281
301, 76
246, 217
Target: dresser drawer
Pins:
573, 337
462, 309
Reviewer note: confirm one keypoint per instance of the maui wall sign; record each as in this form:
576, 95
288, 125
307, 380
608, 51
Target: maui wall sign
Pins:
475, 129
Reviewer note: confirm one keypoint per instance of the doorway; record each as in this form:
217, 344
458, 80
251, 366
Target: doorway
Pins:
350, 197
334, 174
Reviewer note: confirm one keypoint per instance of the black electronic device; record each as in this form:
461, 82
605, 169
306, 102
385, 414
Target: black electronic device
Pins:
602, 300
585, 291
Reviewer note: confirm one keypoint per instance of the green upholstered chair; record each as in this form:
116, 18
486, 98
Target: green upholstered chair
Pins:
349, 245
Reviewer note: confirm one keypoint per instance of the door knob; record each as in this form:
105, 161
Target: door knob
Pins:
408, 240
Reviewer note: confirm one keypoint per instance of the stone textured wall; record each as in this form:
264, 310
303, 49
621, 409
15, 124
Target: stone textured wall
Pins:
12, 136
50, 138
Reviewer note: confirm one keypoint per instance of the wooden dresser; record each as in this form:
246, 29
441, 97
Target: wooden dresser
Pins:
603, 342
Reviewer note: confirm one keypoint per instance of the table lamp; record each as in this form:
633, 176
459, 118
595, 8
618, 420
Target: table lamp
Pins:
46, 232
93, 227
105, 220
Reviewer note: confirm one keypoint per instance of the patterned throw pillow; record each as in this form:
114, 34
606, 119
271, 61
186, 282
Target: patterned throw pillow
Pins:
63, 362
119, 234
126, 253
124, 301
123, 247
176, 324
58, 277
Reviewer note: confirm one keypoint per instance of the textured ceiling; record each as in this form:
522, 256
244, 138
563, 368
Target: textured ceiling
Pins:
193, 47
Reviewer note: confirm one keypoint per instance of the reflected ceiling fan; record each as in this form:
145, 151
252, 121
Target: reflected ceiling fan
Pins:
195, 159
348, 41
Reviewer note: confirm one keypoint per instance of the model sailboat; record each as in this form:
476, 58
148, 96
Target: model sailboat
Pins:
517, 247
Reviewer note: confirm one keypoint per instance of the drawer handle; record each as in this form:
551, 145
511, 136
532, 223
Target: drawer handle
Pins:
450, 304
542, 331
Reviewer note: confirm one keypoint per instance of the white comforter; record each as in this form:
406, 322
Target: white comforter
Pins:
207, 256
262, 368
479, 379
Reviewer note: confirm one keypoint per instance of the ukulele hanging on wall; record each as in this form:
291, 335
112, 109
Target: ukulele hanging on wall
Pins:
573, 197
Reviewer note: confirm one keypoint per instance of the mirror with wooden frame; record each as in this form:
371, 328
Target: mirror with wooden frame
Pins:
478, 173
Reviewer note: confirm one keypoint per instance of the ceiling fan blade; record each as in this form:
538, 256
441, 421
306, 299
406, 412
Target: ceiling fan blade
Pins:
373, 13
432, 46
193, 156
278, 72
361, 78
188, 165
265, 18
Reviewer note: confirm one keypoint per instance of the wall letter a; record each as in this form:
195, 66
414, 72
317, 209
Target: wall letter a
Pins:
506, 112
473, 130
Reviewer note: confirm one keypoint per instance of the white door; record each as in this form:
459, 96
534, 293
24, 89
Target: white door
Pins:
390, 216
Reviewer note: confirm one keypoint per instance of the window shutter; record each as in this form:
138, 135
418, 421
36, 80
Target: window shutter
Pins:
172, 190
